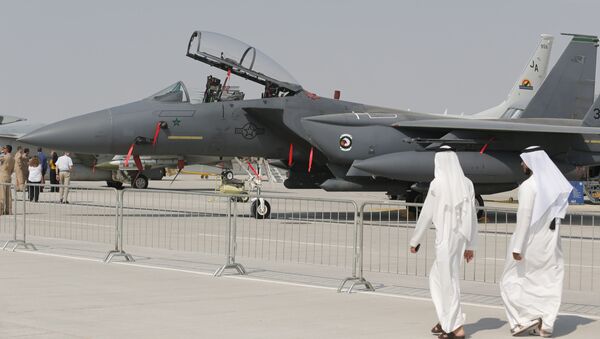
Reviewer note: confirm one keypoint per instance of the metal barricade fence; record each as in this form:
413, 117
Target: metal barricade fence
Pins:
88, 214
9, 215
388, 228
175, 220
371, 238
298, 230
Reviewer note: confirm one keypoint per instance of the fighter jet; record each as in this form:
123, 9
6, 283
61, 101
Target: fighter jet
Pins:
274, 126
402, 148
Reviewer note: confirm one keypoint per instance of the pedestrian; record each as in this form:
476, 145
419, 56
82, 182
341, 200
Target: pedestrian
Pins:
450, 207
44, 162
53, 174
19, 171
34, 178
64, 165
7, 166
531, 285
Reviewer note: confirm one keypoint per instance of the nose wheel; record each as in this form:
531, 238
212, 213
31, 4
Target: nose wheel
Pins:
260, 209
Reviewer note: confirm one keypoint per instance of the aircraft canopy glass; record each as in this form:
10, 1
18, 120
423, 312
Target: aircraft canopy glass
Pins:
228, 53
177, 92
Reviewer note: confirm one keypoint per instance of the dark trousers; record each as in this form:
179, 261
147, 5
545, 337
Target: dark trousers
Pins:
43, 176
34, 191
53, 181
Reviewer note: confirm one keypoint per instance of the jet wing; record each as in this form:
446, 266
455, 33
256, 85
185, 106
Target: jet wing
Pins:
494, 125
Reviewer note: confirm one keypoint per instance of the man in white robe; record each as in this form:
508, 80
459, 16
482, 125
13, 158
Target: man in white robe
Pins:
531, 285
450, 206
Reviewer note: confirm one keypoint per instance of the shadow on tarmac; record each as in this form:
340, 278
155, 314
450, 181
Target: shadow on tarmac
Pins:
567, 324
484, 324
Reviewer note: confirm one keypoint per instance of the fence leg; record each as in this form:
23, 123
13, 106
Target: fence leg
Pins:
357, 278
20, 242
118, 251
231, 241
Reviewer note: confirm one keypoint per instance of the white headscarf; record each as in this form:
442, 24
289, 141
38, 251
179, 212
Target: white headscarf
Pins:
452, 188
553, 189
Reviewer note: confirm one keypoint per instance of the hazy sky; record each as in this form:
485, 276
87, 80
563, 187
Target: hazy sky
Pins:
64, 58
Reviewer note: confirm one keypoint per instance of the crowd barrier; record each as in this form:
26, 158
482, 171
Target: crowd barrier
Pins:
372, 236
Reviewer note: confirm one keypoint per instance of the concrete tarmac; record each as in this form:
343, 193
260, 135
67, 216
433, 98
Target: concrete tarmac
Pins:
295, 262
46, 296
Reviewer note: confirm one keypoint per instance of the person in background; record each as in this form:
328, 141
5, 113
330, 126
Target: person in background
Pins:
24, 167
53, 173
44, 163
35, 178
64, 165
19, 172
7, 166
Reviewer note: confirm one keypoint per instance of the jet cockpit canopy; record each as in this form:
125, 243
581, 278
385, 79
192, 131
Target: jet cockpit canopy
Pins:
177, 92
232, 55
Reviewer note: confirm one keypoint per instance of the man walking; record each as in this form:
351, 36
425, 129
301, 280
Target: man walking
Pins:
7, 166
450, 206
64, 165
531, 285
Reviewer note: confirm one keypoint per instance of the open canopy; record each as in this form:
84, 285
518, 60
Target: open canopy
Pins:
230, 54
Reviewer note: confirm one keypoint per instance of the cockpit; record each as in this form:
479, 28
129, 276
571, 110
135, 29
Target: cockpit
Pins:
174, 93
234, 58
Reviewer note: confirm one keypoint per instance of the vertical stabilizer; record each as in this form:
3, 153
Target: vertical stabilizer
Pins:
533, 75
527, 83
592, 117
568, 91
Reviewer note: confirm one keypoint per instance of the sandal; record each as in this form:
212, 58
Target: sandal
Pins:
450, 335
539, 332
520, 329
437, 329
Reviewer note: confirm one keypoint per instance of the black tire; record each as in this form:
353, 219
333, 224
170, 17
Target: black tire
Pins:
227, 175
140, 182
114, 184
260, 214
479, 203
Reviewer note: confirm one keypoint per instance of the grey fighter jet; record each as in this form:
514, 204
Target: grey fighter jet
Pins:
283, 124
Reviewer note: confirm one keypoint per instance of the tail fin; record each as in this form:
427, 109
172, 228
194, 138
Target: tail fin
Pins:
527, 83
568, 91
592, 117
532, 77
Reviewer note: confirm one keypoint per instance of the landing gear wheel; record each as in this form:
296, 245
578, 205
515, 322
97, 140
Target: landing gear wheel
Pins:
140, 181
479, 203
227, 175
260, 211
114, 184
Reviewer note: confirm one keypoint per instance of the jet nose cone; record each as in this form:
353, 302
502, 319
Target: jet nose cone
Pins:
89, 133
